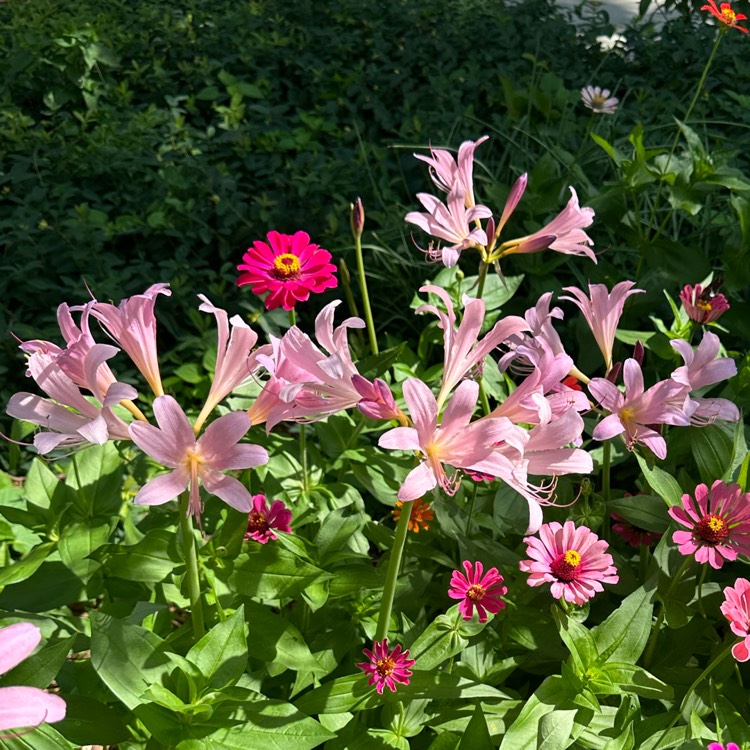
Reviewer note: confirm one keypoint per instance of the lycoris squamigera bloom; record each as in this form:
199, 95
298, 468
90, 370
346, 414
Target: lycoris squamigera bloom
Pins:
386, 668
24, 706
573, 559
477, 590
726, 15
289, 267
265, 520
718, 523
420, 516
736, 608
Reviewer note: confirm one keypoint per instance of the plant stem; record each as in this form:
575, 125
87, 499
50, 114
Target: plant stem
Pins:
192, 574
365, 295
391, 576
303, 456
482, 278
606, 457
471, 510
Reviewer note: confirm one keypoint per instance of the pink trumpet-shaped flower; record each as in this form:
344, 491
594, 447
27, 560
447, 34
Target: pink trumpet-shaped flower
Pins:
265, 520
603, 311
462, 350
574, 560
233, 362
173, 444
377, 401
736, 608
703, 368
386, 668
477, 590
24, 706
132, 325
718, 523
632, 413
445, 172
454, 441
452, 222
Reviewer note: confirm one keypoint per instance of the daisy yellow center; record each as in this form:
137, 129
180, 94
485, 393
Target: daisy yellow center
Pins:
476, 593
256, 521
286, 266
385, 666
565, 566
598, 99
712, 529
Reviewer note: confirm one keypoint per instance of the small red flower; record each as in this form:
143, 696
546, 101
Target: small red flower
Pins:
264, 520
726, 15
289, 267
477, 590
386, 668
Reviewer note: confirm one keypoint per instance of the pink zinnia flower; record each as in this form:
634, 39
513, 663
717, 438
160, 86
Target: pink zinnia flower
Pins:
174, 445
288, 266
598, 100
703, 305
603, 311
265, 520
132, 325
634, 535
736, 608
632, 413
24, 706
386, 668
718, 523
574, 560
477, 590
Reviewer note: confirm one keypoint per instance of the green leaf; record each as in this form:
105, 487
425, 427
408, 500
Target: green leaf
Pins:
96, 474
555, 729
150, 561
271, 572
623, 635
645, 511
635, 679
664, 484
89, 722
221, 655
613, 154
731, 721
77, 541
127, 657
477, 735
27, 566
577, 638
713, 448
39, 669
44, 737
438, 642
45, 490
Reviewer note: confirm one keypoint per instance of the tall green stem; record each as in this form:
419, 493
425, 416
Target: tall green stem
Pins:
391, 576
606, 460
192, 575
365, 295
483, 267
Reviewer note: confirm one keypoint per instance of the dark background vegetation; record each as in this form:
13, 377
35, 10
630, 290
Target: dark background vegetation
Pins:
154, 141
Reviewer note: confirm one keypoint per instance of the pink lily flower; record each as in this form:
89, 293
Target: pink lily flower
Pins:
173, 444
452, 222
454, 441
132, 324
233, 362
377, 401
603, 312
462, 350
24, 706
445, 172
702, 368
663, 403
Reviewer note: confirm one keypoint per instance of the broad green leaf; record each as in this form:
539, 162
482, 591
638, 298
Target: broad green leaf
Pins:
151, 560
555, 730
623, 635
476, 735
52, 585
664, 484
45, 490
89, 722
635, 679
44, 737
335, 530
577, 638
440, 640
77, 541
127, 657
26, 566
271, 572
713, 448
645, 511
96, 475
624, 741
39, 669
613, 153
730, 720
221, 655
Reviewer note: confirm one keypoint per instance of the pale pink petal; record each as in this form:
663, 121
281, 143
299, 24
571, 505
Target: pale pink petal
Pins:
223, 433
163, 488
400, 438
419, 481
28, 707
229, 489
422, 408
16, 643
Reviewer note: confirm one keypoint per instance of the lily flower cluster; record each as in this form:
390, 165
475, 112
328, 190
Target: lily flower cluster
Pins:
457, 222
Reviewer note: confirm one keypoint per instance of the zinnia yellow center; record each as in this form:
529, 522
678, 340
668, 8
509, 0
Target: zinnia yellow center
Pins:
256, 521
729, 15
286, 265
476, 593
572, 558
385, 667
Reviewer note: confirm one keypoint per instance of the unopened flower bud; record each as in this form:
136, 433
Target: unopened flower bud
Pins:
357, 218
638, 352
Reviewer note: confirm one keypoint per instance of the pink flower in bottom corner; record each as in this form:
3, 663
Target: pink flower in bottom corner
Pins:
736, 608
718, 523
477, 590
574, 560
386, 668
719, 746
289, 267
24, 706
265, 520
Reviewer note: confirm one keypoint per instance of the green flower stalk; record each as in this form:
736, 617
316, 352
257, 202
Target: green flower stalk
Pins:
358, 223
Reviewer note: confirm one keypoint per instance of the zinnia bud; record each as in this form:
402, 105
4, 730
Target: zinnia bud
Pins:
357, 218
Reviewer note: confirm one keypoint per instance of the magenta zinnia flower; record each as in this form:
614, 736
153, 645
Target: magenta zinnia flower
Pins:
477, 590
736, 608
289, 267
718, 523
174, 445
574, 560
719, 746
386, 669
634, 535
265, 520
703, 305
24, 706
